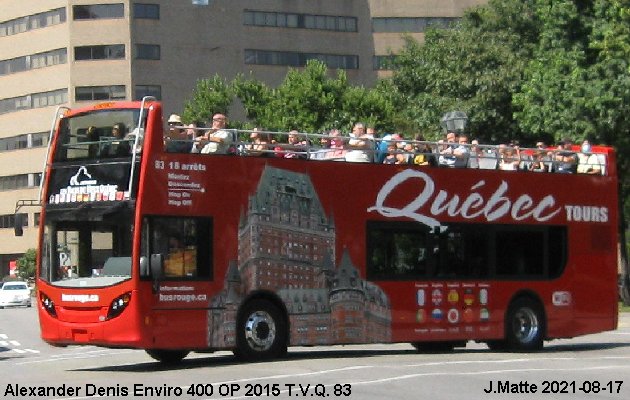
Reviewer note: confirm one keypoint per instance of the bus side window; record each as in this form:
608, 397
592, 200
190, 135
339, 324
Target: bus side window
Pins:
184, 243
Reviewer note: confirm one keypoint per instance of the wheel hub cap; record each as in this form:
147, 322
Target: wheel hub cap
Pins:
525, 325
260, 331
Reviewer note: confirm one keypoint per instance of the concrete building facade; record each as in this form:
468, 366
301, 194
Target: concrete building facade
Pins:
77, 52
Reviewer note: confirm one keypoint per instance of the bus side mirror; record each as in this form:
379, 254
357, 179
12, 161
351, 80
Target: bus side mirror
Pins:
144, 267
157, 266
18, 224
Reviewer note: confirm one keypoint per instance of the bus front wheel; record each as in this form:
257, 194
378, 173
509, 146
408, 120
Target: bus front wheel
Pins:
524, 325
261, 331
167, 356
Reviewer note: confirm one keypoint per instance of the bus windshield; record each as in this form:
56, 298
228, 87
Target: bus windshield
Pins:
86, 253
98, 134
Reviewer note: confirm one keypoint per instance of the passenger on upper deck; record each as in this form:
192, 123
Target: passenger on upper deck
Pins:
218, 140
296, 147
361, 145
539, 161
336, 142
91, 135
589, 163
117, 146
565, 158
423, 154
392, 154
176, 140
510, 158
476, 153
258, 143
455, 153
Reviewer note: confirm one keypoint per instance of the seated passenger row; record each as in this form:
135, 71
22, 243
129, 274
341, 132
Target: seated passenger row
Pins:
454, 151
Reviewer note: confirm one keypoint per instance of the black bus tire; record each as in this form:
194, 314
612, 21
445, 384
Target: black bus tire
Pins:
169, 357
524, 325
437, 347
261, 331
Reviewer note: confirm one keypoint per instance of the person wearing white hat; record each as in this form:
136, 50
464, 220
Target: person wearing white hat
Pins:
176, 141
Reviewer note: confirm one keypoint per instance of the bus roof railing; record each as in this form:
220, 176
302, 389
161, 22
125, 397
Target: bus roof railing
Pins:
138, 139
53, 126
481, 156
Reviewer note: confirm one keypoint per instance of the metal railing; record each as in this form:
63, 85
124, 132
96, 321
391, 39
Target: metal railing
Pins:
315, 146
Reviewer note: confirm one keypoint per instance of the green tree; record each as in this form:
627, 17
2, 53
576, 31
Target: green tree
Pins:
309, 100
474, 67
209, 97
26, 264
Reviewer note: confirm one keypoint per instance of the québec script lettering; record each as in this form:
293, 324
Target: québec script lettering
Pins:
474, 205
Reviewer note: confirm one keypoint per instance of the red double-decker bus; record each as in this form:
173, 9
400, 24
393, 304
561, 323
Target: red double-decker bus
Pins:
181, 252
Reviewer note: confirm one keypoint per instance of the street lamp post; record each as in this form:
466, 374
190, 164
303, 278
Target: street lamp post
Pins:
454, 121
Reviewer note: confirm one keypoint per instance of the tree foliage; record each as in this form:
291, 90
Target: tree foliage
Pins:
308, 99
26, 265
209, 97
474, 67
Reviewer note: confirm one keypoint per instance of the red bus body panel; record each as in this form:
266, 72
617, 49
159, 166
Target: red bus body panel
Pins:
183, 314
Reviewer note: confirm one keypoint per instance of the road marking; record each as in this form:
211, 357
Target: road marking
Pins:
57, 358
6, 343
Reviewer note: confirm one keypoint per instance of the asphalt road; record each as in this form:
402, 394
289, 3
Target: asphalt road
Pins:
590, 367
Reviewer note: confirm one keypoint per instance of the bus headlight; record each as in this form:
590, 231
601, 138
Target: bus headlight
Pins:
118, 305
47, 304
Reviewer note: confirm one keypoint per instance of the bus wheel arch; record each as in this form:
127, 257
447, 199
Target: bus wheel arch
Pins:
525, 323
262, 328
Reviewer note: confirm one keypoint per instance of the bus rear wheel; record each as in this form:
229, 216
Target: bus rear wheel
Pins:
261, 331
167, 356
524, 325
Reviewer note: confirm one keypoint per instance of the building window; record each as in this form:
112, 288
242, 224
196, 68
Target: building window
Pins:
141, 91
100, 52
98, 11
14, 143
87, 93
33, 61
39, 139
34, 100
147, 52
49, 58
13, 182
295, 59
35, 21
146, 11
303, 21
24, 141
8, 220
381, 63
49, 98
416, 25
